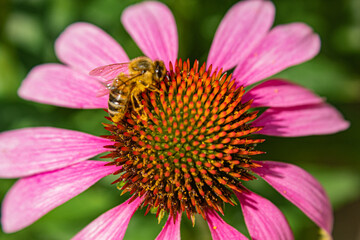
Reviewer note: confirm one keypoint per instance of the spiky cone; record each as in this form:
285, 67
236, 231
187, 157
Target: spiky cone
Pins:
194, 150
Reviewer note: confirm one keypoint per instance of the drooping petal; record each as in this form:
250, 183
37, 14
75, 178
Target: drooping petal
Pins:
285, 46
240, 31
300, 188
301, 121
60, 85
112, 224
263, 219
28, 151
280, 93
84, 46
171, 230
220, 230
32, 197
153, 28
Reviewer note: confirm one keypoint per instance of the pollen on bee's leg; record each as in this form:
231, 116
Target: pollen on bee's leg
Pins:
193, 149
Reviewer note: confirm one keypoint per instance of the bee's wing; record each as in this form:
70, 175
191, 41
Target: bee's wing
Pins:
102, 92
110, 71
105, 88
108, 84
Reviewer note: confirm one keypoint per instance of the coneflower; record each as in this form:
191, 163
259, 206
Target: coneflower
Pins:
203, 128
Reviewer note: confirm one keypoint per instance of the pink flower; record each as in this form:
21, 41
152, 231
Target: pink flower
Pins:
53, 164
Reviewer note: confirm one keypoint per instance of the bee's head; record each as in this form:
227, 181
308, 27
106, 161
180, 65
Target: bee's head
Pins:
160, 70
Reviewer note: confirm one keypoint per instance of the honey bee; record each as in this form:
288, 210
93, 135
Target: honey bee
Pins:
127, 81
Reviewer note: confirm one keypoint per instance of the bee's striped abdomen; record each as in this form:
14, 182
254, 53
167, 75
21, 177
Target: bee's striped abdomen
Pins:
118, 102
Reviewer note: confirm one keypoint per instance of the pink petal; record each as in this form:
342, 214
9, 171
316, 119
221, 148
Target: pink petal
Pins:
280, 93
240, 31
84, 46
300, 188
171, 230
62, 86
153, 28
301, 121
285, 46
28, 151
263, 219
220, 230
32, 197
112, 224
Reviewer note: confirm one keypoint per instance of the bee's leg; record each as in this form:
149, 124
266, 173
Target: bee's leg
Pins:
153, 88
134, 97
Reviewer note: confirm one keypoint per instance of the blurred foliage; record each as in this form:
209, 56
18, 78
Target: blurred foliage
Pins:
29, 28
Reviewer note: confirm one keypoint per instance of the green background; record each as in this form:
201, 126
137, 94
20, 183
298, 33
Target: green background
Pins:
29, 28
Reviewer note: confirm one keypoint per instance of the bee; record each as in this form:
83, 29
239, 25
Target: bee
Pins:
127, 81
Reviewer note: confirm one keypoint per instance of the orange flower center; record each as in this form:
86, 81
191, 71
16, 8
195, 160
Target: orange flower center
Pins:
195, 148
